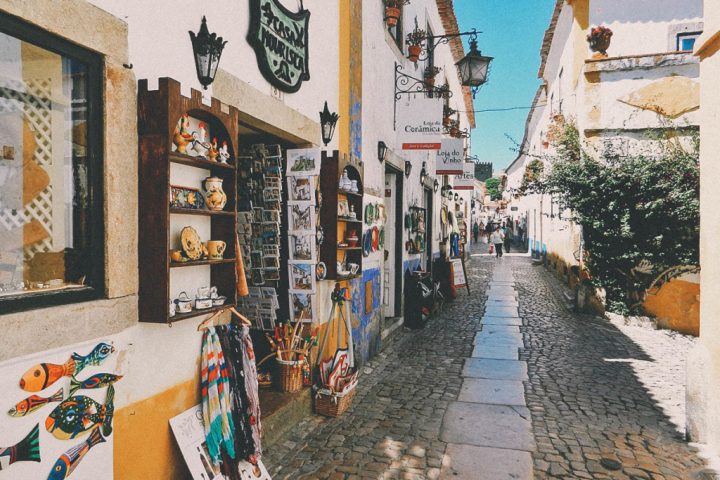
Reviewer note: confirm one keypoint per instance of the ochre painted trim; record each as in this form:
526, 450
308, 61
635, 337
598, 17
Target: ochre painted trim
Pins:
343, 128
581, 24
144, 446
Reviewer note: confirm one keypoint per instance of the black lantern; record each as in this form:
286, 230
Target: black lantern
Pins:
408, 168
423, 174
456, 197
382, 151
474, 67
462, 201
448, 192
207, 48
327, 123
436, 185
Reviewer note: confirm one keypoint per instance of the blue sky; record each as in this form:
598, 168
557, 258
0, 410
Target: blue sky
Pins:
512, 33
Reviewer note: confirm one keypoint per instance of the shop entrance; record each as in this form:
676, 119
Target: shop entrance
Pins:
392, 275
427, 256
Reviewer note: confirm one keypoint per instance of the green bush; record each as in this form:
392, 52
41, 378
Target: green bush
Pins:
492, 186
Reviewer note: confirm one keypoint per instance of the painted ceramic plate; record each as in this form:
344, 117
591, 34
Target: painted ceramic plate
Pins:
382, 237
191, 244
186, 197
369, 213
375, 239
367, 243
320, 271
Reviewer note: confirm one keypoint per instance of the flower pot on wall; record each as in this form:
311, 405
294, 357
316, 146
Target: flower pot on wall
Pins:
599, 41
414, 52
392, 15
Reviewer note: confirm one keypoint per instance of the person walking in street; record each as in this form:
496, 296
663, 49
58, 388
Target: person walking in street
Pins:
508, 236
497, 238
476, 231
488, 230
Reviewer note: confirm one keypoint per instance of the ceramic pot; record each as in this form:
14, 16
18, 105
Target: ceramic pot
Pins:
216, 249
414, 53
392, 15
353, 239
183, 303
215, 197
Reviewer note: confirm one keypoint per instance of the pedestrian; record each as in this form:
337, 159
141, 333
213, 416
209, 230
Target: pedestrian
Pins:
476, 231
508, 236
497, 238
489, 229
481, 229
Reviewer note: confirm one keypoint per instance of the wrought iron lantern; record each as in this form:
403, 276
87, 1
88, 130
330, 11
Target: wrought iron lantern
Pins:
423, 174
474, 67
328, 121
408, 168
436, 186
462, 201
382, 151
456, 197
207, 48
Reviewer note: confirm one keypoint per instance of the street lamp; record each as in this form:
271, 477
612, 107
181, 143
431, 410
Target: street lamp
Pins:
327, 123
408, 168
423, 174
436, 185
474, 67
382, 151
207, 48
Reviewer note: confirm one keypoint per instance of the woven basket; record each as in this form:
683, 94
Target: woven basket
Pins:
333, 405
290, 375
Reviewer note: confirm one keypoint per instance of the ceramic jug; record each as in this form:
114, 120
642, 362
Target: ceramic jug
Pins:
215, 197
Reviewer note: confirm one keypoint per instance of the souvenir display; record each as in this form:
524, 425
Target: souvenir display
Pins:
216, 249
303, 162
302, 277
183, 303
191, 244
26, 450
33, 403
186, 197
100, 380
79, 414
182, 136
215, 197
43, 375
69, 460
375, 239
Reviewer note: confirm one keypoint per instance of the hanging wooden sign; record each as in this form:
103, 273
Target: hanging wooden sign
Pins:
280, 40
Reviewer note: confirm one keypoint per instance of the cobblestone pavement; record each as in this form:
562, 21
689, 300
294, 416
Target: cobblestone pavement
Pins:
592, 416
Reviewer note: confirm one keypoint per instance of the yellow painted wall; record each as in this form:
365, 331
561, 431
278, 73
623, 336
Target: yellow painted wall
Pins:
144, 446
676, 306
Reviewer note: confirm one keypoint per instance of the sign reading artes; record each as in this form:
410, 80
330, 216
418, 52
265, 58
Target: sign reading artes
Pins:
280, 40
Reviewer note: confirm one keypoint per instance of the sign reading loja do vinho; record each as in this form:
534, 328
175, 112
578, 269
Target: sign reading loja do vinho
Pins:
451, 157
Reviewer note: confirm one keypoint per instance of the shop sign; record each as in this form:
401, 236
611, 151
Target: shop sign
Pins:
280, 40
450, 157
466, 181
419, 123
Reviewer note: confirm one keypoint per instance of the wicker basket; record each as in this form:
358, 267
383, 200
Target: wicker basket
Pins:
333, 404
290, 375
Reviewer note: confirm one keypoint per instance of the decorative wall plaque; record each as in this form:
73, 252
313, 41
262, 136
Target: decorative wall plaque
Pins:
280, 40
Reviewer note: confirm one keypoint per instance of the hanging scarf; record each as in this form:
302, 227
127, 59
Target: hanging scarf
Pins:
251, 389
232, 345
215, 390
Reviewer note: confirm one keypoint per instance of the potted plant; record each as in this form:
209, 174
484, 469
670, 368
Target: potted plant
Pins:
599, 40
392, 11
447, 113
430, 74
415, 41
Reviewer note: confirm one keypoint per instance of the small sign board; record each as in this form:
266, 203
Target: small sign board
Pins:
451, 157
419, 123
458, 278
466, 181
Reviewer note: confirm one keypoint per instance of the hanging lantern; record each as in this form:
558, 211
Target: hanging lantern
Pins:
328, 121
382, 151
408, 168
436, 185
423, 174
207, 48
474, 68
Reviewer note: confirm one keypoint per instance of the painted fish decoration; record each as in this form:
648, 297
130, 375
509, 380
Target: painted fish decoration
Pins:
26, 450
43, 375
79, 414
100, 380
69, 460
33, 402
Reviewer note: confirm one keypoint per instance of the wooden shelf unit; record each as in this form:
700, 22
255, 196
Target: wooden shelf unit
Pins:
335, 227
158, 114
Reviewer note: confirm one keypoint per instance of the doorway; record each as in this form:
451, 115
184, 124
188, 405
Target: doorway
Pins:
392, 274
428, 256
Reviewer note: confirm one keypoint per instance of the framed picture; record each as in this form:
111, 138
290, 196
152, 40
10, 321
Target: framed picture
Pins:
301, 189
343, 209
271, 194
302, 277
303, 247
302, 306
302, 217
303, 162
270, 233
272, 274
271, 262
271, 216
272, 205
258, 277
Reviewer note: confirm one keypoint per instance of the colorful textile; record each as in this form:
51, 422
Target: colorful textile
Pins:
215, 390
251, 388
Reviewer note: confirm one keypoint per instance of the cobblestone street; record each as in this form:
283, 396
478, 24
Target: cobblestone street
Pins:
585, 398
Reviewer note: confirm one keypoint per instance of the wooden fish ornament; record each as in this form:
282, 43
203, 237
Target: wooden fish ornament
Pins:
26, 450
69, 460
43, 375
101, 380
33, 403
79, 414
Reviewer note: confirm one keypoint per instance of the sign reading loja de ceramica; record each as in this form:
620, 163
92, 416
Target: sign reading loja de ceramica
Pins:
280, 40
